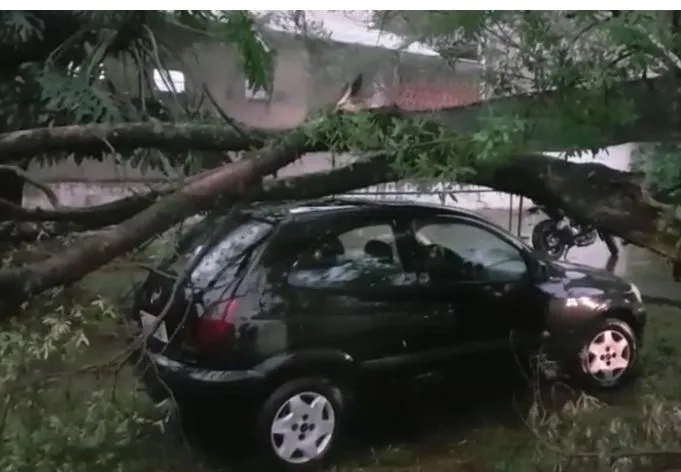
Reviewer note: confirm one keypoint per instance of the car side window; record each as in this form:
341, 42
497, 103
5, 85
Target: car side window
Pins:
464, 252
363, 256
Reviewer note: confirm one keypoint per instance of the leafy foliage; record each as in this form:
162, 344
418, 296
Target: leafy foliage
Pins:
581, 55
54, 413
53, 74
66, 68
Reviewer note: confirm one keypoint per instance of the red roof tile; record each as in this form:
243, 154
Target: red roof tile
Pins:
423, 96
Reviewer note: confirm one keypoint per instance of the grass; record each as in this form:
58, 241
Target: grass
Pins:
466, 425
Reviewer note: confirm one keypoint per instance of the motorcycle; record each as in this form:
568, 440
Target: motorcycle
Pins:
557, 234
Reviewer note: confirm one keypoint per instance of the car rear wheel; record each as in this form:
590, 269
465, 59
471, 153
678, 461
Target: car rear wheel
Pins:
608, 357
300, 424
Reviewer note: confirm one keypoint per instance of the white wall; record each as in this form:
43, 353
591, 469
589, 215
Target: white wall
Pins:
478, 198
469, 197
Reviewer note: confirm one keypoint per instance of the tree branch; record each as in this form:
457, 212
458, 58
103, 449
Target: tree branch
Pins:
231, 181
651, 100
121, 137
592, 193
652, 103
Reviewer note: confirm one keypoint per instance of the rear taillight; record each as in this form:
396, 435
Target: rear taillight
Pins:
217, 325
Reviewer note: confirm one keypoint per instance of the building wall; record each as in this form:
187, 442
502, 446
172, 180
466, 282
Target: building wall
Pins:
84, 193
305, 78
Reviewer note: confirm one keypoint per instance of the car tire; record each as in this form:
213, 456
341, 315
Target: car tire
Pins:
310, 414
608, 358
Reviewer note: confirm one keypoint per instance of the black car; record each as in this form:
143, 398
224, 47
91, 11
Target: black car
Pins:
285, 310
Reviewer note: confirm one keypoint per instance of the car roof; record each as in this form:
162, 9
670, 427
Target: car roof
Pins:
284, 210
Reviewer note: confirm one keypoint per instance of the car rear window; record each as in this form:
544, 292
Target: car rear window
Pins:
221, 243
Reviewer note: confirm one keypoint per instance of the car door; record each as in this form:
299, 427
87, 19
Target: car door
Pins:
348, 289
480, 276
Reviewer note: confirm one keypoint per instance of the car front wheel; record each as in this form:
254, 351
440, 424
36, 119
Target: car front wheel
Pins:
608, 357
300, 423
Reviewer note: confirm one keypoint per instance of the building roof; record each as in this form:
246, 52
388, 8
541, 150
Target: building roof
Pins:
433, 96
353, 27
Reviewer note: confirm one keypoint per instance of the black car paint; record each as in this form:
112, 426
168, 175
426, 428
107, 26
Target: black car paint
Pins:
609, 294
410, 330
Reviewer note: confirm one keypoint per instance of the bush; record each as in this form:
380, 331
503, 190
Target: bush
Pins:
58, 413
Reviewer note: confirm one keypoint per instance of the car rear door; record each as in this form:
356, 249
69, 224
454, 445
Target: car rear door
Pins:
348, 288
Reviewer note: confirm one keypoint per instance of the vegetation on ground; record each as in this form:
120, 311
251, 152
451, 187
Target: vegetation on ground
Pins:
78, 83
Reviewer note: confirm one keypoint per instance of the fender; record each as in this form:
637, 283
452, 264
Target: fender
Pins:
328, 362
576, 323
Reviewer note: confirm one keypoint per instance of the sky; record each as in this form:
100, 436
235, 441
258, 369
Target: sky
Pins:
350, 27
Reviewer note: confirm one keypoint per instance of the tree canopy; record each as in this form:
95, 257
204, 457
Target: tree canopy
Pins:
553, 81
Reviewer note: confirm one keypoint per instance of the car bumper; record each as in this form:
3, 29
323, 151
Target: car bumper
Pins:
213, 389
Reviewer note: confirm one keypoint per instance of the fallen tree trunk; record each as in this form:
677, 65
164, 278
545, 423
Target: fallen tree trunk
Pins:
234, 179
653, 106
593, 193
227, 183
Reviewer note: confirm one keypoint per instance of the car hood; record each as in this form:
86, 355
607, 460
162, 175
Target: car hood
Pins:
576, 280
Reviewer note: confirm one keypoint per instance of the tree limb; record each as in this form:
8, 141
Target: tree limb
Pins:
231, 181
593, 193
92, 253
121, 137
651, 101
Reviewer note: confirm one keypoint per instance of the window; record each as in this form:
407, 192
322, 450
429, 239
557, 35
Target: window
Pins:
228, 243
364, 256
229, 253
252, 93
169, 80
73, 70
460, 251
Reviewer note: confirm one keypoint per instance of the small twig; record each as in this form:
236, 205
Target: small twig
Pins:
223, 114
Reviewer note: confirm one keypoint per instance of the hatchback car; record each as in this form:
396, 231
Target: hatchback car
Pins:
284, 311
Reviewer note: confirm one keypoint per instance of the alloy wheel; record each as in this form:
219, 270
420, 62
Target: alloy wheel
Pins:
303, 427
607, 357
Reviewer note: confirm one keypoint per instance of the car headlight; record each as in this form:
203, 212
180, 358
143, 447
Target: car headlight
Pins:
637, 293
